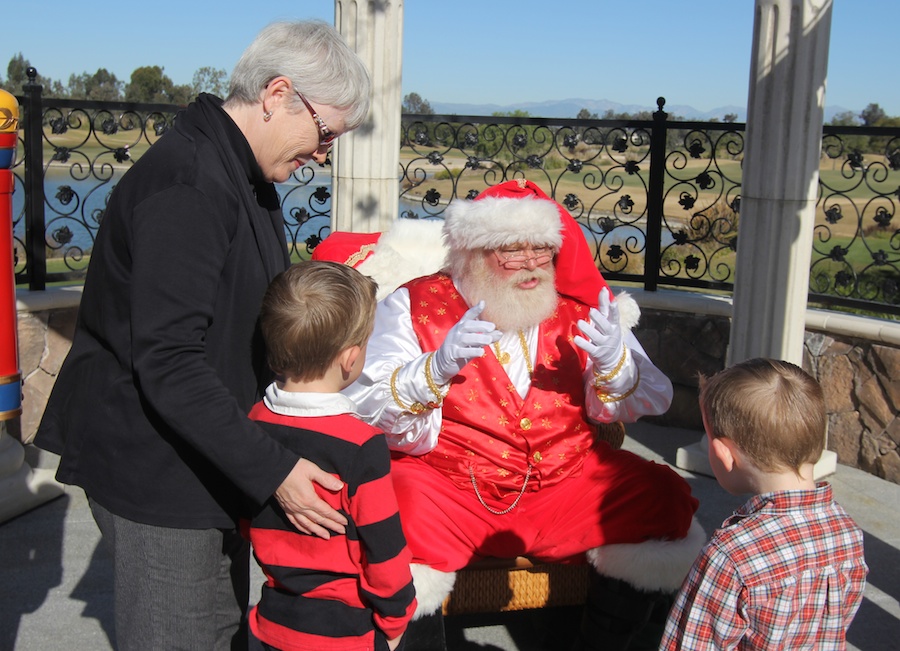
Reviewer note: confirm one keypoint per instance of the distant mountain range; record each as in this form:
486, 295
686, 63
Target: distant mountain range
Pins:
569, 108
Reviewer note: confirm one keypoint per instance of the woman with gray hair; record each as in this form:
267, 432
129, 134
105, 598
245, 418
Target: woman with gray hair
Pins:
149, 412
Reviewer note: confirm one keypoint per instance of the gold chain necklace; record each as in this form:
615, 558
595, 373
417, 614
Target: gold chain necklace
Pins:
503, 356
511, 506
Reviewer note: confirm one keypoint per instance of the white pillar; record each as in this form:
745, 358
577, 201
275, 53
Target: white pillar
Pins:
779, 189
780, 179
365, 191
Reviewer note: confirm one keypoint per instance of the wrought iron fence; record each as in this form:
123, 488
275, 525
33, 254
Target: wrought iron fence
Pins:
856, 250
75, 151
658, 200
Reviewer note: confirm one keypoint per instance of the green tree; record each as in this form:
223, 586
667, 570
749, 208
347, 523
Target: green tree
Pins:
519, 139
423, 132
210, 80
54, 88
413, 103
77, 87
730, 117
587, 135
101, 86
872, 115
610, 114
849, 143
845, 119
15, 73
878, 144
16, 76
182, 94
149, 84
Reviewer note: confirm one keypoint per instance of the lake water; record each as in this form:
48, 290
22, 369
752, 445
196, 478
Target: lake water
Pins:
73, 208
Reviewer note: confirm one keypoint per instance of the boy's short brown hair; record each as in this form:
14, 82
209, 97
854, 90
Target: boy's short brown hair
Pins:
773, 410
313, 311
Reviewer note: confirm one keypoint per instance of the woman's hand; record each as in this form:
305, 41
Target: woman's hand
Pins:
303, 507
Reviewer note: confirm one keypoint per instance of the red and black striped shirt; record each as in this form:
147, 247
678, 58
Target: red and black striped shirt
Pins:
331, 594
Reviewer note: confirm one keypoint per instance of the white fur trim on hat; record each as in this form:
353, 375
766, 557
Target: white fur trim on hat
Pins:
492, 222
653, 565
410, 248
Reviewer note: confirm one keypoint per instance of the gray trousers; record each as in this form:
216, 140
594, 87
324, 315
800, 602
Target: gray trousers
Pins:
176, 588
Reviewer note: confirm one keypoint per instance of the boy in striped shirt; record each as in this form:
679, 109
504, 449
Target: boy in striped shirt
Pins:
786, 570
351, 591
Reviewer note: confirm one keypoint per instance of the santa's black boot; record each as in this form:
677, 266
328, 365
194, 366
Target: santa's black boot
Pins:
618, 617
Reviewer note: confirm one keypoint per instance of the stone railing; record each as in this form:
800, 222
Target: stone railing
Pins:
857, 361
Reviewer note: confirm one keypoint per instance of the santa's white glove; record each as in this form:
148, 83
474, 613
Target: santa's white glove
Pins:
604, 339
465, 341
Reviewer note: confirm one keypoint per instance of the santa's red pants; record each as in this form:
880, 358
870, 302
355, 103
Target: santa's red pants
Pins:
618, 498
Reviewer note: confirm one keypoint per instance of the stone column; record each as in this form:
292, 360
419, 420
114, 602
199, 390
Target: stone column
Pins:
367, 161
780, 180
779, 188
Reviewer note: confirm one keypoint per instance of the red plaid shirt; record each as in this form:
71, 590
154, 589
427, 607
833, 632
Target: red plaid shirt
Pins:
785, 571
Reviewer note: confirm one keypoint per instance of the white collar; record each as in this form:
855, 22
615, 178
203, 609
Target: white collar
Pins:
294, 403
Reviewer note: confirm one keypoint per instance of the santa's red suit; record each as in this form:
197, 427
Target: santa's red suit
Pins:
532, 457
507, 462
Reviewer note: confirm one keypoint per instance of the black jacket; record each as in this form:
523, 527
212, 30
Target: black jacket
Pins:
149, 411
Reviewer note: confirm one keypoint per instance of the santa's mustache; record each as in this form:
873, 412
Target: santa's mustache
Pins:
524, 275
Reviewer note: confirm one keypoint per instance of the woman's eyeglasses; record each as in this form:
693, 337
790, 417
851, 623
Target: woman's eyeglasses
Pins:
326, 135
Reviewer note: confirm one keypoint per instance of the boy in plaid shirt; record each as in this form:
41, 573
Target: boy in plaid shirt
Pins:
786, 570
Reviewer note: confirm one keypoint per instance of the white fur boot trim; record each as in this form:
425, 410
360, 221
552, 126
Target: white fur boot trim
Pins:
432, 587
651, 566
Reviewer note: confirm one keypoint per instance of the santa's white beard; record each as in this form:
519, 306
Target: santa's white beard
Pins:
508, 306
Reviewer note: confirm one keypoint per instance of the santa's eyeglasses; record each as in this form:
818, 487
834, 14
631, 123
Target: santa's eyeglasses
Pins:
514, 258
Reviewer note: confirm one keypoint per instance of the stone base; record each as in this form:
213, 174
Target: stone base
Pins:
695, 458
21, 487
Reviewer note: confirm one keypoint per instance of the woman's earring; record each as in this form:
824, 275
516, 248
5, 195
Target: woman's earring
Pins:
267, 116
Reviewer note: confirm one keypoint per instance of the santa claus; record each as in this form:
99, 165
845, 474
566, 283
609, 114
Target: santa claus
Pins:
489, 378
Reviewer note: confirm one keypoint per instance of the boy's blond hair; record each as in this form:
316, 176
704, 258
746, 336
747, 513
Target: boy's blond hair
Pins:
313, 311
773, 410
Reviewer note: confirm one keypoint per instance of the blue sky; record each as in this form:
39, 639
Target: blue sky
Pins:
693, 53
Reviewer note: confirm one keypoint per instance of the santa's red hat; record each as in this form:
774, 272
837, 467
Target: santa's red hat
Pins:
346, 247
519, 211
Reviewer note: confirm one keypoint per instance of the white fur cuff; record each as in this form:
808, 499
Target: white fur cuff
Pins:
629, 310
651, 566
432, 587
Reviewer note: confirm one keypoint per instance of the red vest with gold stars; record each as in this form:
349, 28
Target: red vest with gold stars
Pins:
488, 431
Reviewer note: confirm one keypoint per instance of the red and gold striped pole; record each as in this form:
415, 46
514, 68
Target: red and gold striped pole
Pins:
21, 487
10, 374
